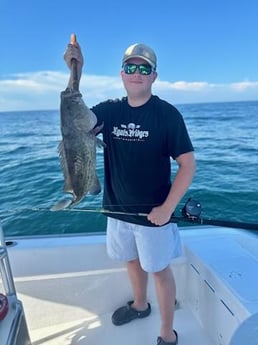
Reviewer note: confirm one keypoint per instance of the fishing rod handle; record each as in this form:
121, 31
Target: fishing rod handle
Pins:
74, 66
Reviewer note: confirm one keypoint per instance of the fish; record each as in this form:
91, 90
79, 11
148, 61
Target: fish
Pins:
77, 149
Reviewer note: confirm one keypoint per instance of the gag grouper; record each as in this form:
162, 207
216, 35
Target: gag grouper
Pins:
77, 149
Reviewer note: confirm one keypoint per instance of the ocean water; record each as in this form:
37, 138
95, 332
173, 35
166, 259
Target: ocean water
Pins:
225, 137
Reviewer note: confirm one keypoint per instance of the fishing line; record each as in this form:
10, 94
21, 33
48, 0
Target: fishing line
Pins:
87, 209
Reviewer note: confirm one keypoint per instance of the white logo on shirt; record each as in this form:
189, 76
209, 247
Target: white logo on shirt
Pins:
130, 132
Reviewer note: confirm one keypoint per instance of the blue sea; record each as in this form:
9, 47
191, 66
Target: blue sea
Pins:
225, 137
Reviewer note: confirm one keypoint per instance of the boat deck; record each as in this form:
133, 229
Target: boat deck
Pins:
69, 289
66, 319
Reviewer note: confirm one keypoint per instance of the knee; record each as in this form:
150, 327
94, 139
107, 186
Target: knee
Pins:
163, 274
135, 265
134, 262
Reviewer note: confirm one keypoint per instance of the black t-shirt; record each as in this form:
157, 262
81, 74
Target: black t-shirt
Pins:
140, 142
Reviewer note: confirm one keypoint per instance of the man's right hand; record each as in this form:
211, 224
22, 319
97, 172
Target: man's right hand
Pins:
73, 51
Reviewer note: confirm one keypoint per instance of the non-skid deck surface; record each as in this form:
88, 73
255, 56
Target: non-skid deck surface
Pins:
99, 330
77, 310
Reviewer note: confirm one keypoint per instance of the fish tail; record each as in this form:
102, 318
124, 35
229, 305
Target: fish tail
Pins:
61, 205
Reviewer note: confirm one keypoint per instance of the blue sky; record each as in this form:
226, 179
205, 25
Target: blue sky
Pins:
207, 50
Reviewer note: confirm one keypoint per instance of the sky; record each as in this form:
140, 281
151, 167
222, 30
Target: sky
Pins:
207, 49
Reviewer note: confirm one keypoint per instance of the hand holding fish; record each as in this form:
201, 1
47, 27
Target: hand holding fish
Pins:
73, 51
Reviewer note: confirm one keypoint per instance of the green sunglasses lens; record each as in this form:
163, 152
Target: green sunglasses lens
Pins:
130, 68
144, 69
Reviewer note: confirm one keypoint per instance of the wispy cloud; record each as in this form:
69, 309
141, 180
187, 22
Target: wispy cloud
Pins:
182, 85
41, 90
245, 85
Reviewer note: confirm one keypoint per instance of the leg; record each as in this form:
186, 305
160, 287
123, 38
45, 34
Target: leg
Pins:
121, 245
166, 294
139, 280
138, 308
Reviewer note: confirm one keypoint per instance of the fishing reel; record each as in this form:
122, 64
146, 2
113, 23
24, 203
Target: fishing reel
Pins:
192, 209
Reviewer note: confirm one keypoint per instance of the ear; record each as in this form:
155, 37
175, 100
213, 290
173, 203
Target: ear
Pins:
122, 73
155, 75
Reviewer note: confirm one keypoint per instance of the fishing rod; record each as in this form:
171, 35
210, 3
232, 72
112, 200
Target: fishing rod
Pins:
191, 213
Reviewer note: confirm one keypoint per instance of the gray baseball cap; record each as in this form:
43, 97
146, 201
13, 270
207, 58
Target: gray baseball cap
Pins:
139, 50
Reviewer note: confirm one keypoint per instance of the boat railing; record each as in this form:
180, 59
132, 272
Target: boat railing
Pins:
5, 267
13, 326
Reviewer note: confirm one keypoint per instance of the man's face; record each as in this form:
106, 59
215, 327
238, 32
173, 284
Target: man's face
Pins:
137, 84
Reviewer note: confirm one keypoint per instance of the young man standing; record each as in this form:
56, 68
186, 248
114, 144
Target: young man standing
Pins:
142, 134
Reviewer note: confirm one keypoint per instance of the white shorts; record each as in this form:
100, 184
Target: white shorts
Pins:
155, 246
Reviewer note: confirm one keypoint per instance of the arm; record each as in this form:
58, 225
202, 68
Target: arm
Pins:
186, 168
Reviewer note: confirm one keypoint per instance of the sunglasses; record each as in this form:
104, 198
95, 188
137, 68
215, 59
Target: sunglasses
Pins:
144, 69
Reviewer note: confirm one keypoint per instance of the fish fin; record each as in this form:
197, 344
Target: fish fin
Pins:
100, 143
92, 118
95, 187
97, 129
67, 182
61, 205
